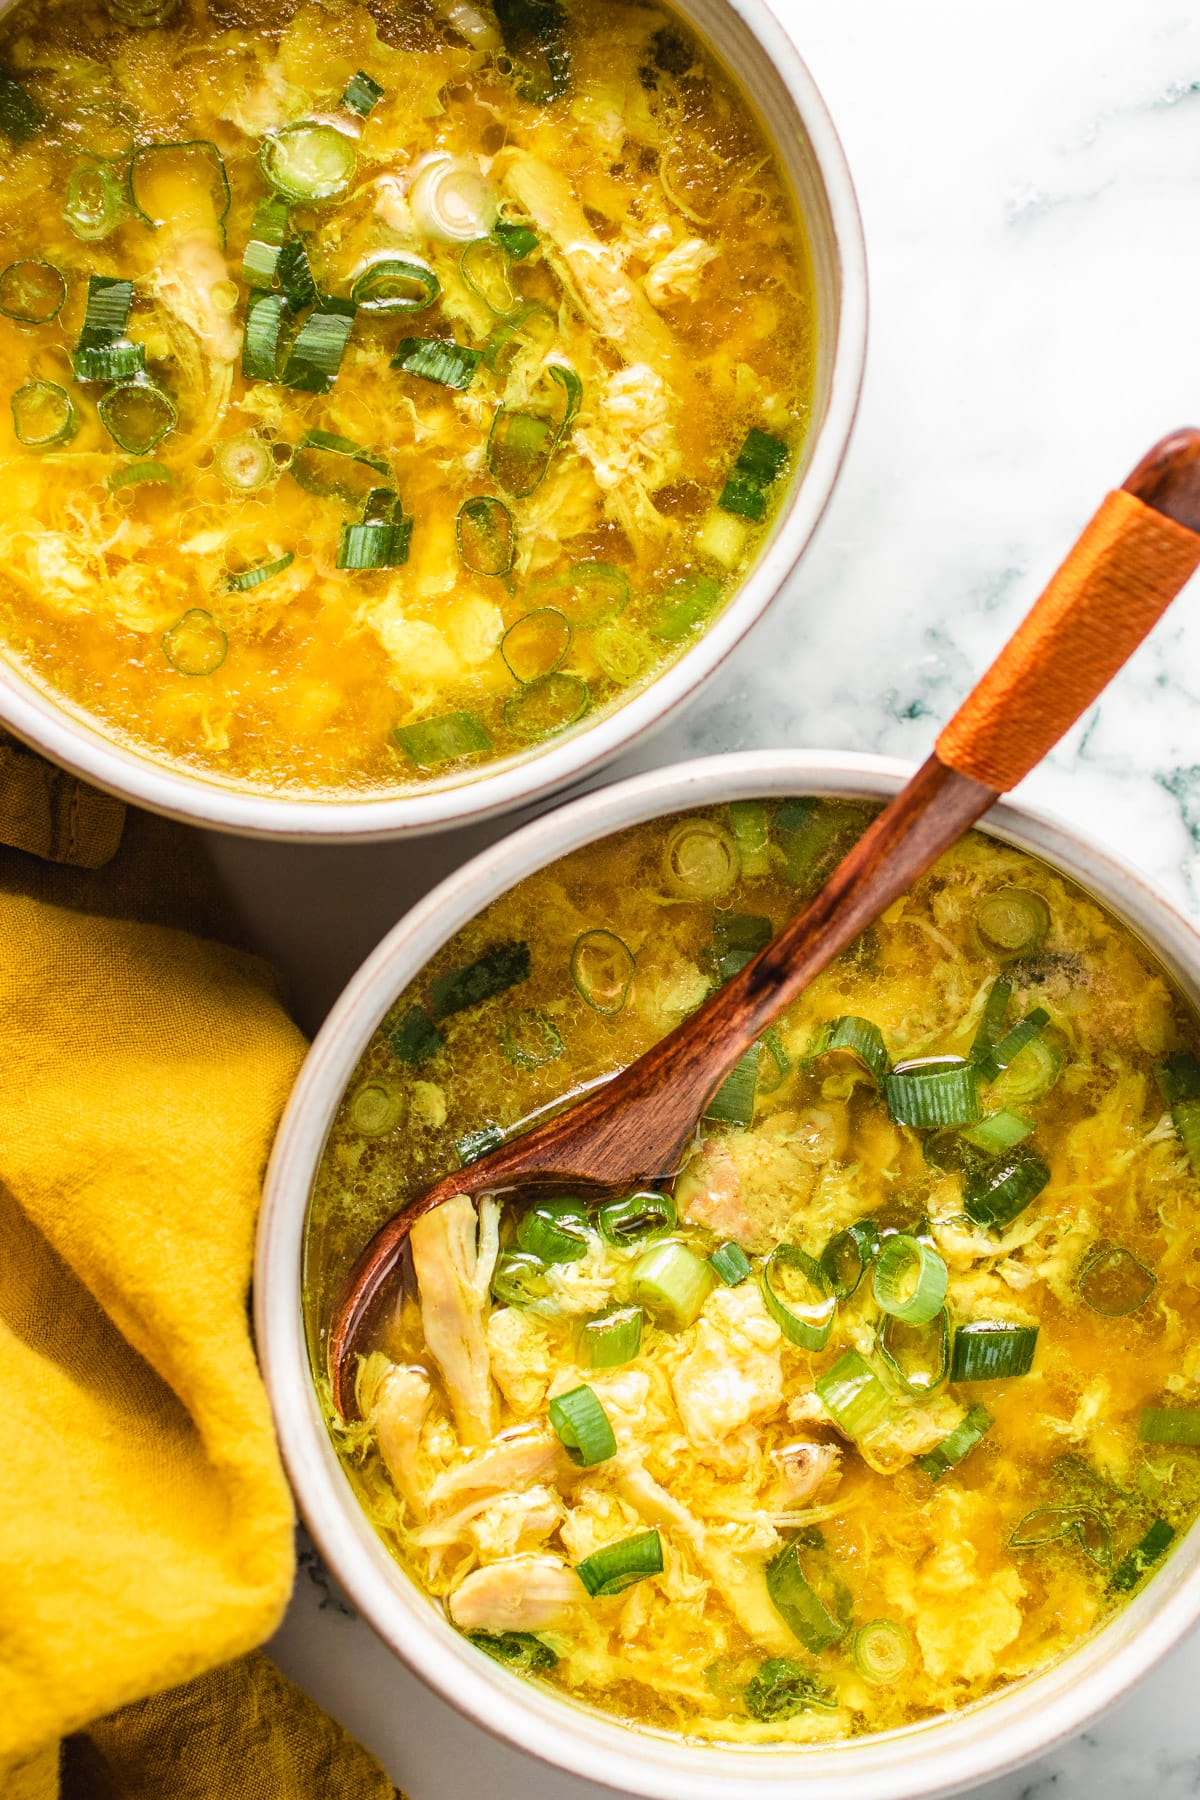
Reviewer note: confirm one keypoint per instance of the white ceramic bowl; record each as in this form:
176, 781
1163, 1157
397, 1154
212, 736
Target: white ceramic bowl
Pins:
936, 1757
749, 39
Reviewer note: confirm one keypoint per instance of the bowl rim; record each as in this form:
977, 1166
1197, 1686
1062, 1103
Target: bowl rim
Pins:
77, 743
936, 1757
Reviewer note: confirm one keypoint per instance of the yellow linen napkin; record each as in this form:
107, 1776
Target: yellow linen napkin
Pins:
145, 1524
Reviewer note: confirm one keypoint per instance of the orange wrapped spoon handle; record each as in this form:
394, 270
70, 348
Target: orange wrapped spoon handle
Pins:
1127, 567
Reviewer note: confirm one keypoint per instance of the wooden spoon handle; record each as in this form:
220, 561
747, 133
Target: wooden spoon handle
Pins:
1116, 583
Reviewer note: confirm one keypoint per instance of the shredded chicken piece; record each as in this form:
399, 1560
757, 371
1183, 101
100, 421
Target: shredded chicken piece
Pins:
592, 274
806, 1468
398, 1411
519, 1593
184, 281
454, 1254
676, 276
514, 1460
739, 1580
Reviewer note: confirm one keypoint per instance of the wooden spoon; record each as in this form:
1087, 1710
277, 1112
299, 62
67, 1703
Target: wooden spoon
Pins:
1125, 570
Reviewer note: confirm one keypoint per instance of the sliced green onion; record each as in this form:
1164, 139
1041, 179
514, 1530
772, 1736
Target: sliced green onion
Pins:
268, 230
591, 591
133, 474
518, 240
847, 1256
996, 1198
441, 360
32, 292
137, 415
683, 606
1178, 1078
536, 644
992, 1350
530, 1040
991, 1019
1050, 1524
519, 1651
583, 1427
638, 1220
700, 860
733, 1102
244, 463
521, 444
999, 1132
294, 274
308, 161
617, 1566
395, 284
196, 645
487, 270
762, 456
858, 1037
555, 1231
244, 580
414, 1037
853, 1395
731, 1264
361, 94
375, 1108
957, 1444
260, 341
486, 537
602, 969
918, 1355
451, 199
20, 114
1113, 1282
518, 1279
1170, 1425
375, 543
1012, 922
1143, 1556
447, 739
799, 1296
672, 1283
141, 15
473, 1145
103, 353
743, 496
781, 1689
337, 468
1001, 1054
737, 940
1032, 1073
814, 834
489, 975
315, 353
611, 1338
94, 200
185, 184
883, 1651
933, 1092
748, 820
43, 415
910, 1280
620, 652
817, 1618
545, 706
534, 329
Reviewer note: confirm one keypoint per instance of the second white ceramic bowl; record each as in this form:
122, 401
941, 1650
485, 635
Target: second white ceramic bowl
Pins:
936, 1757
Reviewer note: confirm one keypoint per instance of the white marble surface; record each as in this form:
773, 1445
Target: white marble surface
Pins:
1030, 182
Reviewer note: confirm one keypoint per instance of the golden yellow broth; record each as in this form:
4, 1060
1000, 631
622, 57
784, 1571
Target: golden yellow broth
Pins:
821, 1154
684, 218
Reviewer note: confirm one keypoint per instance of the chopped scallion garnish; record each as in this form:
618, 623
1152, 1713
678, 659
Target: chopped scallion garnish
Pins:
244, 463
361, 94
684, 606
196, 645
731, 1263
1050, 1524
522, 444
185, 184
910, 1280
449, 738
376, 1107
137, 415
32, 292
268, 231
535, 644
518, 240
1113, 1282
759, 462
414, 1037
636, 1221
1000, 1195
733, 1102
856, 1037
672, 1283
315, 353
20, 114
781, 1689
548, 705
395, 284
617, 1566
583, 1427
486, 268
530, 1039
883, 1651
308, 161
1170, 1425
440, 360
1143, 1556
917, 1355
336, 468
294, 273
486, 536
799, 1296
992, 1062
999, 1132
748, 821
737, 940
992, 1350
519, 1651
103, 352
489, 975
1178, 1078
555, 1231
602, 969
260, 341
1012, 922
611, 1338
519, 1279
817, 1618
933, 1092
244, 580
94, 200
957, 1444
853, 1395
847, 1256
43, 415
134, 474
